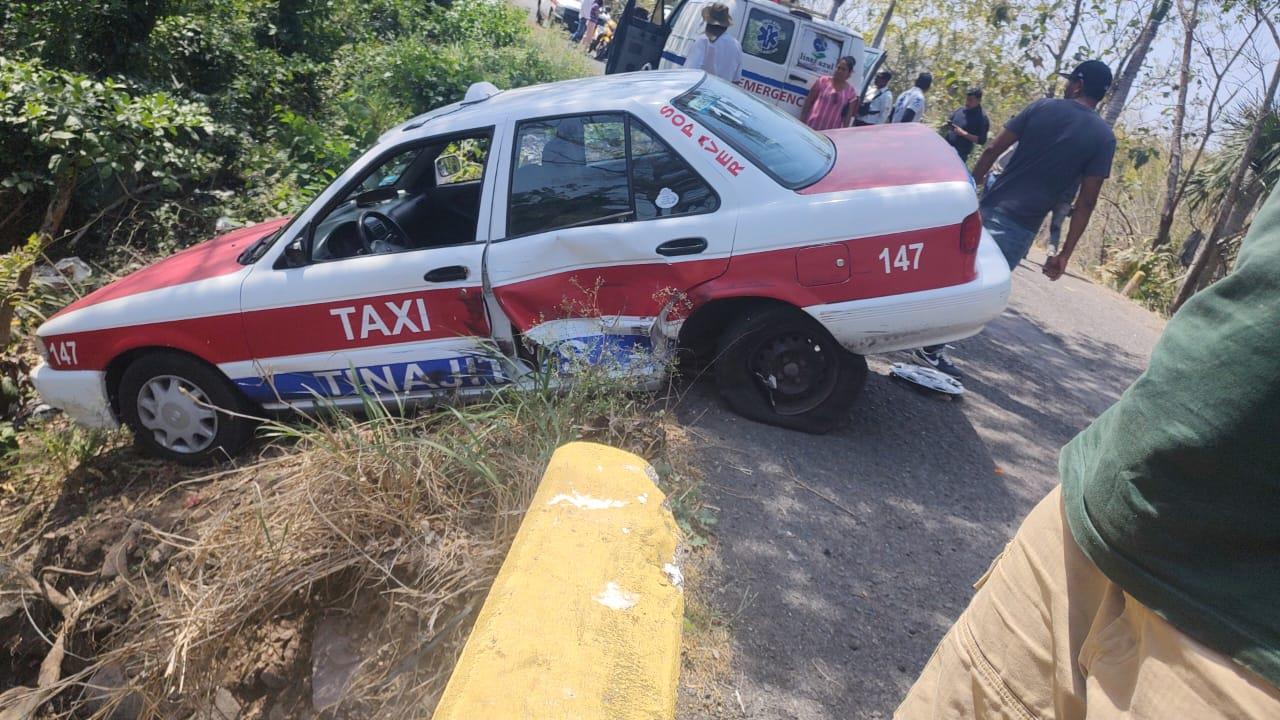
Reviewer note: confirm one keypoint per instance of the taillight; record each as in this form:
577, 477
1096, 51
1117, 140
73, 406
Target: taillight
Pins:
971, 233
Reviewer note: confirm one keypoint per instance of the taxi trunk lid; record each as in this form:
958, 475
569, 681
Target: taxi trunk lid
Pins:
874, 165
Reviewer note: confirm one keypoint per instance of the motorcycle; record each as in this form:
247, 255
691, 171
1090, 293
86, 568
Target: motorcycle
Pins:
599, 48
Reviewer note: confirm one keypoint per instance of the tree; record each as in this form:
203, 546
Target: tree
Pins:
884, 25
1190, 19
1216, 105
1207, 187
1207, 255
58, 129
1137, 56
1059, 53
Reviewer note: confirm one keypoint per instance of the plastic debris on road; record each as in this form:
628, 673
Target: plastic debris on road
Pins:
928, 378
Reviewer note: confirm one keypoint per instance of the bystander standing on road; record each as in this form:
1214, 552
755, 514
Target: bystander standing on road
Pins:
874, 108
716, 51
1060, 141
593, 22
831, 99
1145, 586
911, 104
968, 125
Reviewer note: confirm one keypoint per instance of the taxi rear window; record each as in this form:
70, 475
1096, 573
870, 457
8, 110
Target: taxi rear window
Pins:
782, 146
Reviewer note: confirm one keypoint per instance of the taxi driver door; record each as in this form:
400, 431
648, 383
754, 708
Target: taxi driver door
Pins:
380, 293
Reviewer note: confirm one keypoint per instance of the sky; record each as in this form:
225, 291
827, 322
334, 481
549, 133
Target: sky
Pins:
1245, 78
1150, 103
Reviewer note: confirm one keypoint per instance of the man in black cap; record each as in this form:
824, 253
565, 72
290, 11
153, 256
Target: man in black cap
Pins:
1060, 141
968, 126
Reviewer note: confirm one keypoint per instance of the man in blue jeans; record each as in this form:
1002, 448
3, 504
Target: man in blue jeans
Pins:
1060, 141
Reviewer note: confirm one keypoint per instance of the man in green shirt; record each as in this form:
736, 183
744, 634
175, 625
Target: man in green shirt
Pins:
1148, 584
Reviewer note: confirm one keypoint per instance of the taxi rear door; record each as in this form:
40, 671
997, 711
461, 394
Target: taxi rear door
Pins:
599, 226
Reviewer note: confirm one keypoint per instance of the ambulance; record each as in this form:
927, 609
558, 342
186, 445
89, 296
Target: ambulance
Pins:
784, 48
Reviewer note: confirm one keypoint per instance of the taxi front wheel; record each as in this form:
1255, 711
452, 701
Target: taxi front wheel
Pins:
182, 410
779, 366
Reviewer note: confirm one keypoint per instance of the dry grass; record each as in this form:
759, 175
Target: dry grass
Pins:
212, 589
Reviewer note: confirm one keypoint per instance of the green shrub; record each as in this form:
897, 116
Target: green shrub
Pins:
287, 93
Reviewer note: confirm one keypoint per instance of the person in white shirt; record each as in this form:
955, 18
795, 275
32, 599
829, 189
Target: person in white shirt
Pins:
874, 109
717, 52
910, 106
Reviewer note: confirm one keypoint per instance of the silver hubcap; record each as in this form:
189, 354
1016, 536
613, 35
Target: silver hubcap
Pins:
178, 414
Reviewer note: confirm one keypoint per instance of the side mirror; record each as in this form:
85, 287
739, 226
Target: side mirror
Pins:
449, 165
295, 253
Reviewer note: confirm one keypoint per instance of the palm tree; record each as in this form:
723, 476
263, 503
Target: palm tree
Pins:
1207, 188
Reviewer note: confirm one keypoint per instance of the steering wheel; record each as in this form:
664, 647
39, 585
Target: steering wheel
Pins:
376, 226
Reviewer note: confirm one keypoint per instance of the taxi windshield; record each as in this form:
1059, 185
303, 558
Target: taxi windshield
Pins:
782, 146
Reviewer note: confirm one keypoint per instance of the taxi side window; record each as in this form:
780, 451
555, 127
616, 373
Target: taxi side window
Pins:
576, 171
662, 183
569, 171
768, 36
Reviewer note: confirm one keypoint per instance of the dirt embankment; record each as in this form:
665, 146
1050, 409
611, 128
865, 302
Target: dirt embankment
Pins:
336, 572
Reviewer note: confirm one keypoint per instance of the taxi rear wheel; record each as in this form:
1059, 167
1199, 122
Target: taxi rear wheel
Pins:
779, 366
182, 410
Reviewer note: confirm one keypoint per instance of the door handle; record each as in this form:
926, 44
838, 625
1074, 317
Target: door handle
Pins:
796, 77
448, 273
682, 246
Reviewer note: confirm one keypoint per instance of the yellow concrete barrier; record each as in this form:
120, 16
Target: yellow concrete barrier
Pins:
584, 618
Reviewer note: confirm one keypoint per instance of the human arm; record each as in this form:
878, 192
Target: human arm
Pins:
1090, 186
808, 100
846, 118
1003, 141
977, 138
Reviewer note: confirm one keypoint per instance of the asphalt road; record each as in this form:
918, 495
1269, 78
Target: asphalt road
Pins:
845, 557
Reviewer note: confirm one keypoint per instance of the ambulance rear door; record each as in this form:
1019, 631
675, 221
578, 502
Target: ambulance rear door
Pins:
818, 47
769, 34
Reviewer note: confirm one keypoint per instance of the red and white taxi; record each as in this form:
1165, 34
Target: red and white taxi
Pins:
650, 210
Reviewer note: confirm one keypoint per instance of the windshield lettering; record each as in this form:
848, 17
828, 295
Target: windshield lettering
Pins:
783, 147
706, 142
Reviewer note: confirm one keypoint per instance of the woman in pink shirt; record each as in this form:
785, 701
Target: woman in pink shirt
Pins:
831, 101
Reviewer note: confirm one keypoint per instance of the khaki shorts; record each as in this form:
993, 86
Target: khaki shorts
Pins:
1048, 636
